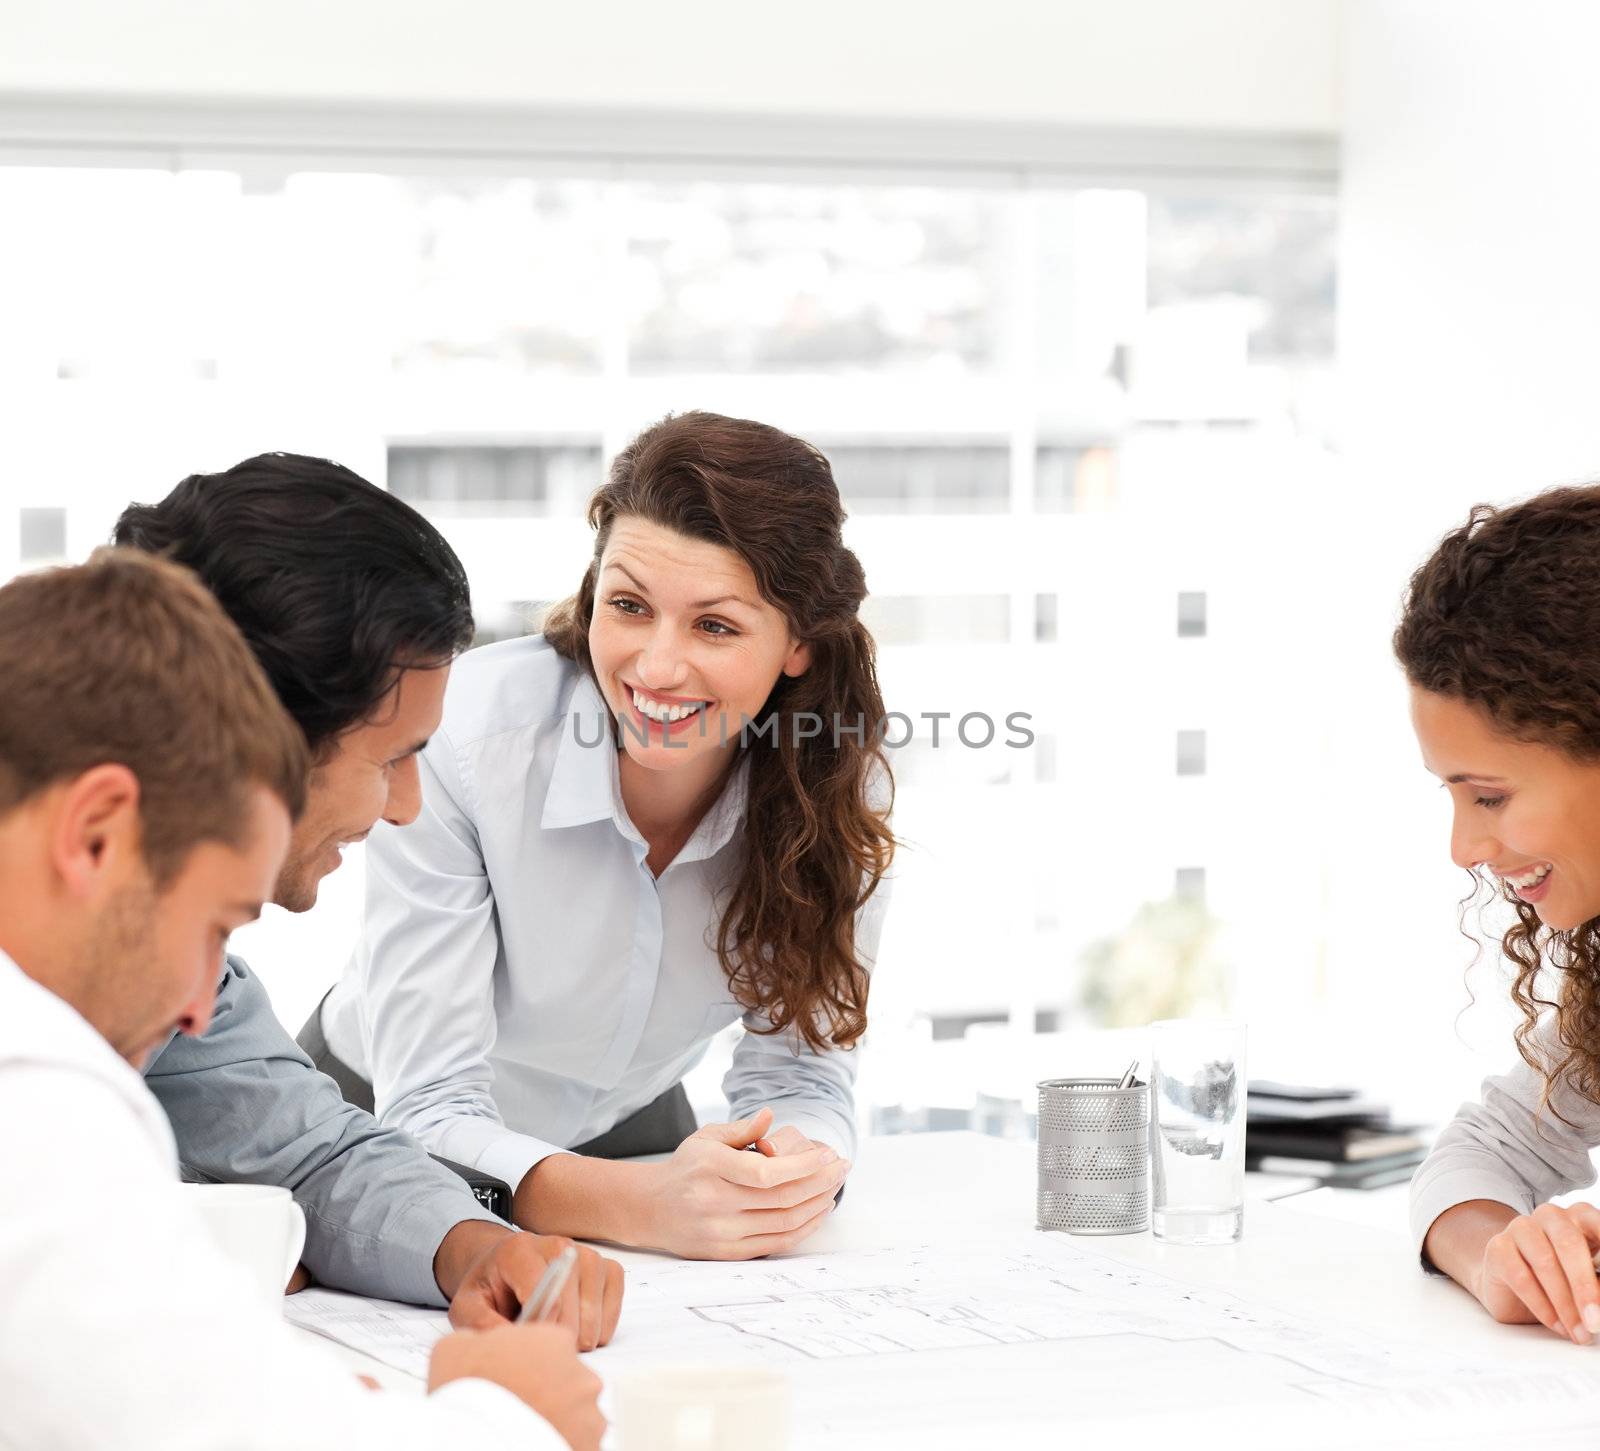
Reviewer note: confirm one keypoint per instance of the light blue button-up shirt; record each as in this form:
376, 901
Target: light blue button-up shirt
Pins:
524, 982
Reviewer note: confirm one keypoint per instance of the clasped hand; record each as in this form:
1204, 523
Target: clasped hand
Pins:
715, 1200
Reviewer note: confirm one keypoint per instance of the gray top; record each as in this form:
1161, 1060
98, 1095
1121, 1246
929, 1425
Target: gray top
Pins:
246, 1106
1506, 1148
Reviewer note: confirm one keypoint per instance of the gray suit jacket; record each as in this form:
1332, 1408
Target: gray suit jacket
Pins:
247, 1107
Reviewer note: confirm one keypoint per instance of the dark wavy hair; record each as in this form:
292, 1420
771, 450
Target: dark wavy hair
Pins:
1506, 616
816, 845
336, 585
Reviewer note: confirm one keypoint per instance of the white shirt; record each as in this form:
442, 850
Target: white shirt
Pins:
122, 1326
523, 981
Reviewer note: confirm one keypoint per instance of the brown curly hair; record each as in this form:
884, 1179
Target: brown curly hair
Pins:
1506, 615
816, 845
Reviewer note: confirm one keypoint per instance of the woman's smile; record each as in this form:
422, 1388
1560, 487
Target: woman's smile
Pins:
670, 715
1532, 884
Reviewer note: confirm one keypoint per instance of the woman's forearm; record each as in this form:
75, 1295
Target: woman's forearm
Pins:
1455, 1241
585, 1198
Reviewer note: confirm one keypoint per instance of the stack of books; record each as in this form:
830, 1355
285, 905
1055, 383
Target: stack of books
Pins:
1331, 1134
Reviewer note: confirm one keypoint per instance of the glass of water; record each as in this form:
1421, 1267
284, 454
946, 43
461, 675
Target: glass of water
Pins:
1197, 1109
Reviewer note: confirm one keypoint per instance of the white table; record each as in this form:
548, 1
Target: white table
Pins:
1362, 1277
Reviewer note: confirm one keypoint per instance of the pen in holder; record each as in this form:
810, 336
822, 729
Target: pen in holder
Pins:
1094, 1156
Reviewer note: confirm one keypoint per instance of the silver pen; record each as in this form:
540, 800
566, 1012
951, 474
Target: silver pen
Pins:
540, 1305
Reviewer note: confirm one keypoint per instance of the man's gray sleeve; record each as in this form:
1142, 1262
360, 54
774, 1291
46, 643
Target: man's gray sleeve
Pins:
247, 1106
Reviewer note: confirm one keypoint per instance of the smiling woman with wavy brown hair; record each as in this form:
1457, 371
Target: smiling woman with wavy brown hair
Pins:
667, 815
816, 843
1500, 642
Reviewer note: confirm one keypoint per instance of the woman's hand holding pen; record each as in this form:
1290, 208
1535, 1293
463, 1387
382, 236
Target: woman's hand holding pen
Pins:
712, 1200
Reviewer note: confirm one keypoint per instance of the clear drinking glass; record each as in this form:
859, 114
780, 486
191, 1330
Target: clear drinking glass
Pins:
1197, 1090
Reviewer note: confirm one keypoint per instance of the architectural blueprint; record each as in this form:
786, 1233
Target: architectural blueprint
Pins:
1007, 1341
1032, 1290
400, 1336
1016, 1335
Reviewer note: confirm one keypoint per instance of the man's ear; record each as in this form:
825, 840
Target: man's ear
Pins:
96, 828
798, 661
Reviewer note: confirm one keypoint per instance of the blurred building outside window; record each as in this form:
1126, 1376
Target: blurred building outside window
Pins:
1040, 403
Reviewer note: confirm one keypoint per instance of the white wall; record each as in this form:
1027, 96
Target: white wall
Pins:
1470, 320
1470, 295
1225, 64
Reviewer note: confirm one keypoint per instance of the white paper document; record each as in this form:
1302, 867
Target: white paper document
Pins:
401, 1336
1014, 1339
936, 1345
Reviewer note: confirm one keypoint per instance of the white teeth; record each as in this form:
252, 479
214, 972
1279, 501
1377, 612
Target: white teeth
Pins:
665, 713
1530, 879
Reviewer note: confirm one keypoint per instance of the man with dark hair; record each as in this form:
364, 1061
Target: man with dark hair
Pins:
355, 606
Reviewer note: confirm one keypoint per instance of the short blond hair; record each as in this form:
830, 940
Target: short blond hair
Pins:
129, 659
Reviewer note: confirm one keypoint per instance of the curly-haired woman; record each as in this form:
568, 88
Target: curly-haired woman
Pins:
1500, 641
667, 814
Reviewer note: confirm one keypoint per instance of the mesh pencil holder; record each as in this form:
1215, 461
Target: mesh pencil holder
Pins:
1094, 1156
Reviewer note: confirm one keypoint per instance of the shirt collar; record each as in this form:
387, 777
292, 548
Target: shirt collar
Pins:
582, 780
585, 786
718, 825
72, 1037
